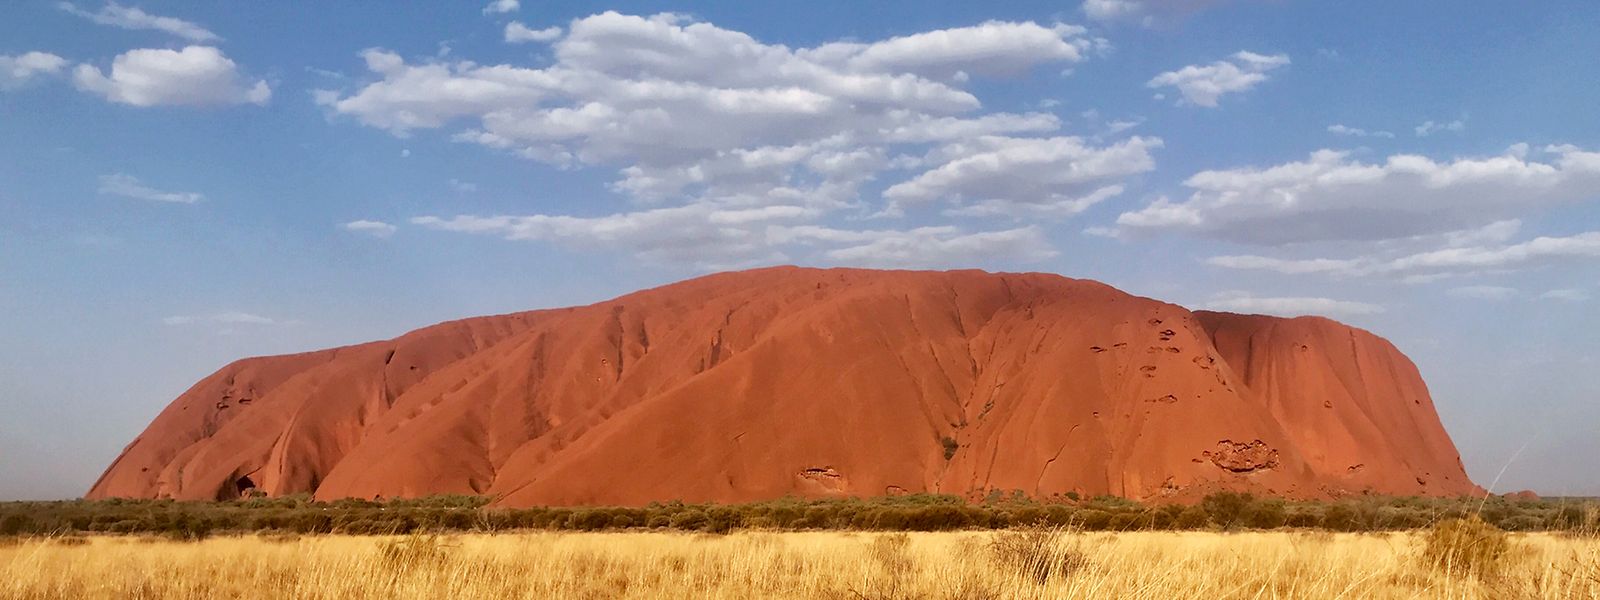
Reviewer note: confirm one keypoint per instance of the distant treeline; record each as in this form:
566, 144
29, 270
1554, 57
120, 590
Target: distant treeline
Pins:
918, 512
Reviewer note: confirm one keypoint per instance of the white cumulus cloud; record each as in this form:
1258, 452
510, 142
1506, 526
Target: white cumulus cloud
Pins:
993, 48
193, 76
517, 33
18, 70
1204, 85
721, 137
1007, 171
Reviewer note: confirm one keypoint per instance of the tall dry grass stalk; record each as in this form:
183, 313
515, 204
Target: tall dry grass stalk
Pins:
959, 565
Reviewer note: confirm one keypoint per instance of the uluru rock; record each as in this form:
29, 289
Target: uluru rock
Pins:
840, 382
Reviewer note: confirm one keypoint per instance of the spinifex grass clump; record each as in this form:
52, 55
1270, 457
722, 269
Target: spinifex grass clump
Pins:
1465, 546
414, 551
897, 567
1038, 552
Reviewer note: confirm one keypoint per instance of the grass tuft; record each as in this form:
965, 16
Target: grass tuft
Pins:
1465, 547
414, 551
1038, 552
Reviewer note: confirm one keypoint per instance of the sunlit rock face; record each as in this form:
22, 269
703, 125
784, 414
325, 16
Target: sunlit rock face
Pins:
814, 383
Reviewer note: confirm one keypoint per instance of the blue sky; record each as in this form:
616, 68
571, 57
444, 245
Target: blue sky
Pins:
183, 184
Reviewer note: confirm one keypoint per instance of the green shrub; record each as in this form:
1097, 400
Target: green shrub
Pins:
311, 522
783, 516
1402, 517
455, 519
1570, 517
588, 520
1495, 511
689, 520
915, 512
125, 526
1521, 523
554, 518
190, 527
1267, 514
1303, 517
547, 518
1125, 521
1227, 509
15, 525
938, 518
950, 446
1340, 517
722, 520
1094, 520
1192, 517
1059, 515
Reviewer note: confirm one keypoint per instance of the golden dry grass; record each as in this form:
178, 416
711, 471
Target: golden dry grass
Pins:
961, 565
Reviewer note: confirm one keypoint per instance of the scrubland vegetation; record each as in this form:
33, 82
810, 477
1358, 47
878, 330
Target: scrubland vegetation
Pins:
1224, 511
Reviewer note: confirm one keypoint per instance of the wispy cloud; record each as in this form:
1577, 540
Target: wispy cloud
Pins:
1339, 129
500, 7
1332, 196
1289, 306
127, 17
1428, 128
372, 228
1432, 264
1147, 13
1484, 292
1568, 295
222, 318
129, 186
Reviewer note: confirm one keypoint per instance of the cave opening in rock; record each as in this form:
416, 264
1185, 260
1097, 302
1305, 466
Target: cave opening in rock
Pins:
244, 484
